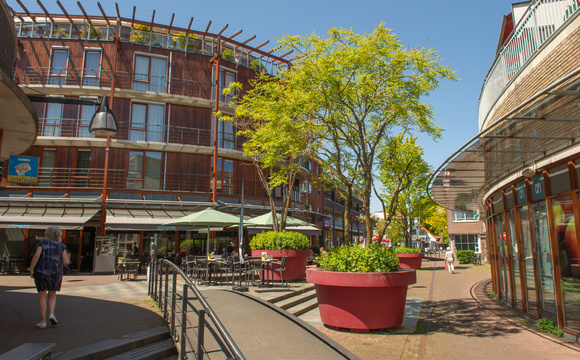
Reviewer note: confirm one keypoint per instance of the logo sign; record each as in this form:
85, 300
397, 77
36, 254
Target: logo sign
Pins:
538, 188
23, 169
521, 194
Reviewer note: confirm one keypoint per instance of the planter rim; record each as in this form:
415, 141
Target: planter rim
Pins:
299, 251
401, 277
410, 255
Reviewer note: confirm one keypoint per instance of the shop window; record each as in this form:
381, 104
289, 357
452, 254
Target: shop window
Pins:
225, 176
529, 277
567, 248
150, 74
58, 64
47, 172
559, 180
147, 122
144, 170
515, 260
92, 68
502, 257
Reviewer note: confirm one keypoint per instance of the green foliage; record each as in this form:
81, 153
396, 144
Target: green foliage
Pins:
273, 240
187, 244
548, 326
257, 65
94, 32
142, 34
407, 250
356, 258
436, 222
464, 256
180, 40
227, 54
60, 32
165, 249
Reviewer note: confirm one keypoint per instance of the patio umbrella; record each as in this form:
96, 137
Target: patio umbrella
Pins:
207, 217
266, 220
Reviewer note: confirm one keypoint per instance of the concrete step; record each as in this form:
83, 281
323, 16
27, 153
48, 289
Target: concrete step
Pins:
156, 351
304, 307
296, 300
112, 347
304, 289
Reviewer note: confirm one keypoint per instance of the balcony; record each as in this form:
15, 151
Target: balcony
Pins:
537, 26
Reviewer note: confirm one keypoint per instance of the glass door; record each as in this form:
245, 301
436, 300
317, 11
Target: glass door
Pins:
544, 264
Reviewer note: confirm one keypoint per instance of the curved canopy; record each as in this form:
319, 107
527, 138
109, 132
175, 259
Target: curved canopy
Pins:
266, 220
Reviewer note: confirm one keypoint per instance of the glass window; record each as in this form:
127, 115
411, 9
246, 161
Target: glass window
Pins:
502, 256
58, 66
147, 122
81, 178
92, 68
559, 180
226, 78
509, 198
567, 248
135, 170
53, 120
497, 203
86, 114
47, 172
529, 277
226, 139
468, 215
150, 74
225, 176
144, 170
515, 260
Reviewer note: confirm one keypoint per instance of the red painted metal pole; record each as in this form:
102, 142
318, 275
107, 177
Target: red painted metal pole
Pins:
215, 120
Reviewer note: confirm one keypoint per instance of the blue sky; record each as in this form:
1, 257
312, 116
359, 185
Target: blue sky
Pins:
465, 33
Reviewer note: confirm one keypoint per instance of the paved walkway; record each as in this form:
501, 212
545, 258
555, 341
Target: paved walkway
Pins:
458, 320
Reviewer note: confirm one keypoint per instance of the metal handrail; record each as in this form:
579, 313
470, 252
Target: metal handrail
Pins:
542, 19
159, 291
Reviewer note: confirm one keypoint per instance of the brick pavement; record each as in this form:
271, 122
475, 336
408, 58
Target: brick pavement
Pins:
459, 322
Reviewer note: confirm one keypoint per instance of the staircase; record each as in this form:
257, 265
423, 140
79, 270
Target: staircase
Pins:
150, 344
297, 302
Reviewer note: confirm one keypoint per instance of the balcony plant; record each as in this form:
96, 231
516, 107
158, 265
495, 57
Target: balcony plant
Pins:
93, 32
191, 41
350, 277
294, 245
257, 65
141, 34
60, 33
409, 257
228, 54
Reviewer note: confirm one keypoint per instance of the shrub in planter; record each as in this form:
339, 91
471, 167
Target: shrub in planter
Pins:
351, 277
293, 245
410, 257
407, 250
465, 256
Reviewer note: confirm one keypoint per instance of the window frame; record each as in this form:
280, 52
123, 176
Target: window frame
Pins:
61, 75
96, 77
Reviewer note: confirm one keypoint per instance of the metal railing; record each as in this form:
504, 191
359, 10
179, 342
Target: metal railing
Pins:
540, 21
189, 318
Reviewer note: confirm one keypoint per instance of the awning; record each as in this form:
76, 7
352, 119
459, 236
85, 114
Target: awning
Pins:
41, 218
306, 230
137, 220
539, 128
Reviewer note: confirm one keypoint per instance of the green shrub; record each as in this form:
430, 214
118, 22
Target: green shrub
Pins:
356, 258
407, 250
547, 326
187, 244
465, 256
273, 240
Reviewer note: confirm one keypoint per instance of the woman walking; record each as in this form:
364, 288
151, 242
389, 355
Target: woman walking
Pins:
46, 269
450, 259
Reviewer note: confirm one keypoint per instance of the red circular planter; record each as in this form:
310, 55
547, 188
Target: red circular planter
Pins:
410, 261
361, 301
295, 264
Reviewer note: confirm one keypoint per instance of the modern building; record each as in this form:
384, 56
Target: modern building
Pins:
467, 232
171, 156
521, 172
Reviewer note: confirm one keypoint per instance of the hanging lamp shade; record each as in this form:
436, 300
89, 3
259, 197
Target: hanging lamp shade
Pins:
103, 122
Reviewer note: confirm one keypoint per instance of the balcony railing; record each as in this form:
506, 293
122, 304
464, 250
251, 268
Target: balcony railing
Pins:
541, 20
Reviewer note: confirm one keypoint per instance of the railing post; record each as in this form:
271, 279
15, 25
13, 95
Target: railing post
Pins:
200, 334
183, 322
166, 291
173, 301
160, 294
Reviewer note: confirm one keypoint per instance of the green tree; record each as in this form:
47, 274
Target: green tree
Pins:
436, 222
358, 89
180, 40
142, 34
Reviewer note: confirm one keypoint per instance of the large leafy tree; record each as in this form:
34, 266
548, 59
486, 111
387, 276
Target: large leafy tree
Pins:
436, 222
357, 92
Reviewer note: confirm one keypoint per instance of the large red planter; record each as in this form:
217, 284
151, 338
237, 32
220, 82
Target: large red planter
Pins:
361, 302
410, 261
295, 264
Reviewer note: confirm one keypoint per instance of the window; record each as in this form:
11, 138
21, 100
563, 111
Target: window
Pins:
467, 242
147, 122
226, 78
81, 176
58, 65
225, 176
86, 113
150, 74
469, 215
92, 68
52, 120
144, 170
226, 139
46, 173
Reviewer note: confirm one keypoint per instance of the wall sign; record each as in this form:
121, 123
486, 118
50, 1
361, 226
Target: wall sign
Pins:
23, 169
538, 187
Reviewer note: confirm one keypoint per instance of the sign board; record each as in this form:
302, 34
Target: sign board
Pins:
23, 169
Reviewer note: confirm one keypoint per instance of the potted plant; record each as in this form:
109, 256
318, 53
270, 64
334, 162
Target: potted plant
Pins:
141, 34
60, 33
191, 40
294, 245
228, 54
410, 258
257, 65
95, 33
361, 289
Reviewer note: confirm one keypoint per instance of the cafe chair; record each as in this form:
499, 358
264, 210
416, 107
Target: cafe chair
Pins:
131, 268
253, 268
202, 269
280, 267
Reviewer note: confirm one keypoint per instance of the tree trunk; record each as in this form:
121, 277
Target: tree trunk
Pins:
347, 207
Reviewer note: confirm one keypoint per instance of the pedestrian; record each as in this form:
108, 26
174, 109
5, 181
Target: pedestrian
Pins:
230, 249
46, 269
449, 260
